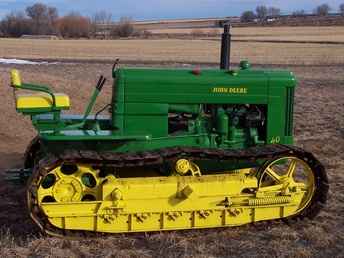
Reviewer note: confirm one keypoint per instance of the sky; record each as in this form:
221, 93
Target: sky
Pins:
160, 9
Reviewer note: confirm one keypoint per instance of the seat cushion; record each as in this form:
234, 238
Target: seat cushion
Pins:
41, 102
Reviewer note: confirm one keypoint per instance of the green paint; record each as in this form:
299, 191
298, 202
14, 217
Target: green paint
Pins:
158, 108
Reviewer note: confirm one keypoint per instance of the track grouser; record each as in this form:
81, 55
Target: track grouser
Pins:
181, 149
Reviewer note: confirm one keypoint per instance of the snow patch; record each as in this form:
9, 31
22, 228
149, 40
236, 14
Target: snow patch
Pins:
20, 62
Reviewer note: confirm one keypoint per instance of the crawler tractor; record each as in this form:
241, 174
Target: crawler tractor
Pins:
182, 149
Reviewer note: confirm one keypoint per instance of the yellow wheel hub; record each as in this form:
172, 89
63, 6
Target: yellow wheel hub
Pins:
68, 190
70, 184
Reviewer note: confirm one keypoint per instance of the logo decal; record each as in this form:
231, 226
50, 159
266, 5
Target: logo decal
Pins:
229, 90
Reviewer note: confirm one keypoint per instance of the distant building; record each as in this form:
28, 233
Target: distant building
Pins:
50, 37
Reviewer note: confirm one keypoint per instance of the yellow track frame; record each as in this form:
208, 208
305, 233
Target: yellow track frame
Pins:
176, 202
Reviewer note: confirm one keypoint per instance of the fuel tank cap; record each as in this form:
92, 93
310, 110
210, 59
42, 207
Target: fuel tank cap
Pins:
244, 65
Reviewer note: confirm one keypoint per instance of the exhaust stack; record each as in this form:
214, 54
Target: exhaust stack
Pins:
226, 47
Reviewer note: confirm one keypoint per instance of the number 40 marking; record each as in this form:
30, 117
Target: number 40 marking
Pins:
275, 139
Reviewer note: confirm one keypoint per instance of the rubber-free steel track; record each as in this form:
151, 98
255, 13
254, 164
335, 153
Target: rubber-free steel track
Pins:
265, 153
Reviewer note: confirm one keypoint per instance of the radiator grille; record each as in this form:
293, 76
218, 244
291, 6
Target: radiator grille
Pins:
289, 112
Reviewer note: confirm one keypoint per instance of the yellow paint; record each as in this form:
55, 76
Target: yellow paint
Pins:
42, 100
15, 79
183, 166
176, 202
288, 175
230, 90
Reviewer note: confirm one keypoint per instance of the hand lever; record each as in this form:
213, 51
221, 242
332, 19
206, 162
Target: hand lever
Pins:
101, 83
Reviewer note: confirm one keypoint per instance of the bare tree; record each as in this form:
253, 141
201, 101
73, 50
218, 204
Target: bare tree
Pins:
262, 12
248, 16
15, 24
37, 13
322, 10
299, 13
99, 19
102, 17
53, 15
124, 28
341, 9
273, 11
74, 25
43, 17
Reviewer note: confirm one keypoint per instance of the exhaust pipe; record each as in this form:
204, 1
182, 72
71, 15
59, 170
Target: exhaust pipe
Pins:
226, 47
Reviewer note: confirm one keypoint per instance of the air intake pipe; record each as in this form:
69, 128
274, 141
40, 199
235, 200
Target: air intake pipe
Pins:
226, 47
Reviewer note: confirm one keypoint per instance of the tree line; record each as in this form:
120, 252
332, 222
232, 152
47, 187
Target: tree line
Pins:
41, 19
263, 12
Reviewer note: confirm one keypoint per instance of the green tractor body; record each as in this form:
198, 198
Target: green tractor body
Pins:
159, 108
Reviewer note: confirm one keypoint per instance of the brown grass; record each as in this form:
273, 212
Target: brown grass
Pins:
319, 128
171, 50
267, 31
309, 34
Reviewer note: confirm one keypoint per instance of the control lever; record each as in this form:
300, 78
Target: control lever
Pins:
96, 92
94, 97
101, 83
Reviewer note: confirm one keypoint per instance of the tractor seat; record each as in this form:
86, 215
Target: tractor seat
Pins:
41, 102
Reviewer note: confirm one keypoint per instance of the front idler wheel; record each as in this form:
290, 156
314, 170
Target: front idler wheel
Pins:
295, 176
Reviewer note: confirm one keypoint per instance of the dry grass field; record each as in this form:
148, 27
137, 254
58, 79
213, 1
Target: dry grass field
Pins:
316, 34
265, 31
319, 128
181, 51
